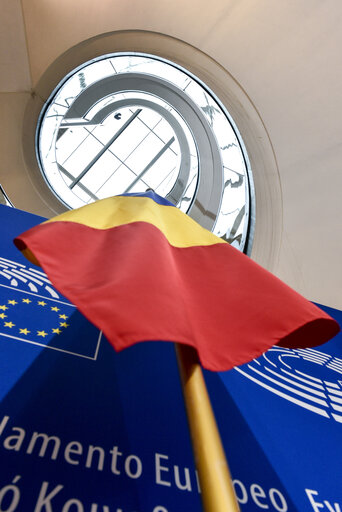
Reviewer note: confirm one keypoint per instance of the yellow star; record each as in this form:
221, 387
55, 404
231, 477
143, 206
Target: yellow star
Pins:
13, 302
24, 331
42, 333
55, 308
9, 324
63, 324
56, 331
2, 315
3, 307
27, 301
63, 316
41, 303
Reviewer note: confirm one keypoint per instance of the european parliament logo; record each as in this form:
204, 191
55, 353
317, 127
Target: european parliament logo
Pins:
32, 311
308, 378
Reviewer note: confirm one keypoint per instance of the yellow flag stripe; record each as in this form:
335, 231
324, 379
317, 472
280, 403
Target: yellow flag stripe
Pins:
179, 229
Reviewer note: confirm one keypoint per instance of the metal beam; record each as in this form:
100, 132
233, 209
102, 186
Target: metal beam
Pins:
104, 149
148, 166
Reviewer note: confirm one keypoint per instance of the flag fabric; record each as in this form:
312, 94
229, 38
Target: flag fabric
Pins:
141, 270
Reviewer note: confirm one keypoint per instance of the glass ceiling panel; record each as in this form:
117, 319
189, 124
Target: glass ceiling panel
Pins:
133, 138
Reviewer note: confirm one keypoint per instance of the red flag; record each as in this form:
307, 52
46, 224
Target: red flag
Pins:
141, 270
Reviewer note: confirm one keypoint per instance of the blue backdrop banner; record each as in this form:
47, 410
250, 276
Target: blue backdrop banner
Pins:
83, 429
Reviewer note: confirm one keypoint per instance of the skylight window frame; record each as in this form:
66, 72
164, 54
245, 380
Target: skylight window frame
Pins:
209, 217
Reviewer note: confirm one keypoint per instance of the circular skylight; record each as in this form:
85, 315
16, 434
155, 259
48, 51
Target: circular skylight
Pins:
125, 123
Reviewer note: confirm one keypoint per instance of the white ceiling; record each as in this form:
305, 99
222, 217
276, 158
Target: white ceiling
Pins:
284, 55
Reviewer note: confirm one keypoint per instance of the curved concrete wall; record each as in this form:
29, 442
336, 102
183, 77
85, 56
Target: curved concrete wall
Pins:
281, 56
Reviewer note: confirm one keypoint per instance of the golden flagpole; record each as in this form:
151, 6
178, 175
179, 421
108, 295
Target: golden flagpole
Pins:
217, 490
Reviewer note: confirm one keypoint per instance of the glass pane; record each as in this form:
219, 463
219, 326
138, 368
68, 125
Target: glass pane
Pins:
132, 140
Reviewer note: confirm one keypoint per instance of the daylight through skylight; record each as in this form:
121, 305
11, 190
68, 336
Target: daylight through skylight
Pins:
125, 123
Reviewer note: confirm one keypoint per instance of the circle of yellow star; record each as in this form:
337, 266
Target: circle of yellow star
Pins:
42, 333
56, 331
3, 307
63, 324
27, 301
41, 303
13, 302
24, 331
9, 324
63, 316
54, 308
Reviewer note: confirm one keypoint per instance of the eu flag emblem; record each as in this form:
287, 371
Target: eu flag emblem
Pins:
31, 310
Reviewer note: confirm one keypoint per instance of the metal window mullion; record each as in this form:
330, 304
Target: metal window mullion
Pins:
150, 164
122, 162
82, 187
154, 133
166, 177
76, 148
104, 149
